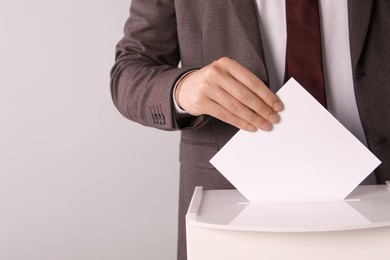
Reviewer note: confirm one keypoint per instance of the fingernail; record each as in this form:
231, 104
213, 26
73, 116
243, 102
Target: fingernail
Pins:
251, 128
278, 106
274, 118
266, 126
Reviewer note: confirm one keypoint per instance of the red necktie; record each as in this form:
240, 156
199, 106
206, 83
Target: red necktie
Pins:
303, 52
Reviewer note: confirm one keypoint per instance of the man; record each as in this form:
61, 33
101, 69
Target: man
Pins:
231, 51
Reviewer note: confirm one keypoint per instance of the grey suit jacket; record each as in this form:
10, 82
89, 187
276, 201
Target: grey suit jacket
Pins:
161, 33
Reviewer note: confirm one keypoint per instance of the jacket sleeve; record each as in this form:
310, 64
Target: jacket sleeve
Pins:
146, 67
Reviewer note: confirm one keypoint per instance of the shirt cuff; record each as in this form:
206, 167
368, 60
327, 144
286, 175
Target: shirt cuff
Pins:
178, 109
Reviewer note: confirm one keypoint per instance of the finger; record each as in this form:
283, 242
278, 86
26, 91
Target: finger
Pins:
220, 77
235, 107
219, 112
249, 98
255, 84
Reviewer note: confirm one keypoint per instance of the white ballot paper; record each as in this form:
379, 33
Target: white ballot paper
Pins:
307, 157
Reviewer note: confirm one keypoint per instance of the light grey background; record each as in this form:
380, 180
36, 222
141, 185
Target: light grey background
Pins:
77, 180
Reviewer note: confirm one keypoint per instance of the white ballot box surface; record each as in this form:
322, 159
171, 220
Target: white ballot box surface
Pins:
222, 224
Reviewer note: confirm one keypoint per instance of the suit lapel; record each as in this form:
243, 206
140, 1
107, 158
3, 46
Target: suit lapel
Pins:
245, 11
359, 14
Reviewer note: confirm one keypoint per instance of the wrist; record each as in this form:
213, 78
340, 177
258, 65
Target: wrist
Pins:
177, 89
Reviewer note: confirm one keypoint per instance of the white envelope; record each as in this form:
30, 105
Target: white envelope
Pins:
308, 156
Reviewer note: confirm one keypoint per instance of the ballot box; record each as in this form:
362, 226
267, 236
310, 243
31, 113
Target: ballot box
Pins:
222, 224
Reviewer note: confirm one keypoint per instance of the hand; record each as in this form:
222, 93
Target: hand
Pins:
228, 91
